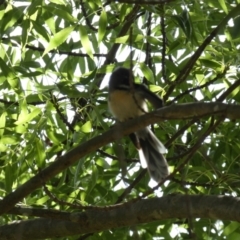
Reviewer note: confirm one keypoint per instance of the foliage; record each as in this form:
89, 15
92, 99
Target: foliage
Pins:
53, 59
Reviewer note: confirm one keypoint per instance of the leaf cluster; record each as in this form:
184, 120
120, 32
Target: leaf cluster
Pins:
55, 59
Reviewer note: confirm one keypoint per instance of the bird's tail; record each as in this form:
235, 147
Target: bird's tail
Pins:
152, 152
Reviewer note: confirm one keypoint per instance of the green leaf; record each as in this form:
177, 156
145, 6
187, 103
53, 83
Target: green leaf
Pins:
234, 31
50, 23
155, 88
122, 40
223, 5
147, 72
7, 71
87, 127
2, 12
25, 32
41, 30
184, 21
40, 152
10, 18
78, 171
234, 236
58, 39
9, 139
102, 26
2, 123
85, 40
9, 177
31, 64
3, 147
231, 228
60, 2
42, 200
61, 12
187, 24
14, 83
52, 135
21, 129
24, 118
210, 63
93, 181
34, 7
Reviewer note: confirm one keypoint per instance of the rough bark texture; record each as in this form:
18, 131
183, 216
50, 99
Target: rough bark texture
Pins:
127, 214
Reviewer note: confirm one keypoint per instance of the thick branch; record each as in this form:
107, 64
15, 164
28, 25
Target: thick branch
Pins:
125, 215
183, 111
129, 20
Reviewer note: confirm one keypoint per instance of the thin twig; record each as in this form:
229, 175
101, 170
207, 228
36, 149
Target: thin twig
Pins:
188, 158
131, 186
191, 62
56, 105
228, 91
220, 75
164, 39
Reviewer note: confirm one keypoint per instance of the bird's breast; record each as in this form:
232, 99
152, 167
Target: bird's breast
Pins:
125, 105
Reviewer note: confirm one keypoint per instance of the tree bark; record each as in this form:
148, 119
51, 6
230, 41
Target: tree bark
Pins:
124, 215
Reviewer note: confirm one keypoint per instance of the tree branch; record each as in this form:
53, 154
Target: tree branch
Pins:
41, 49
125, 215
188, 67
182, 111
127, 24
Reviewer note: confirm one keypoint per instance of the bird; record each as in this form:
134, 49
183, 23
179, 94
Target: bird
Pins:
127, 100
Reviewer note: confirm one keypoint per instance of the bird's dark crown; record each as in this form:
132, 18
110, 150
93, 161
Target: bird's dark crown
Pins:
120, 78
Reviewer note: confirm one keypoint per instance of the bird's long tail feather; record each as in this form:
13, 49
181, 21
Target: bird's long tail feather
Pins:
153, 151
